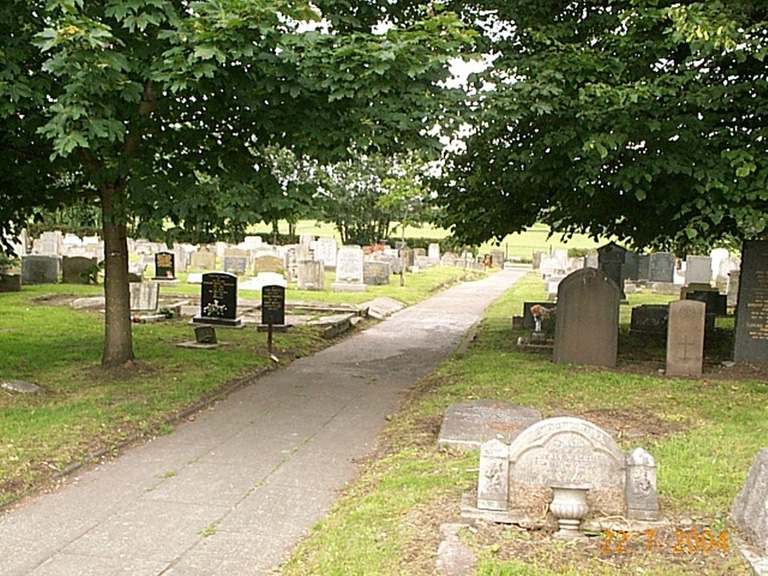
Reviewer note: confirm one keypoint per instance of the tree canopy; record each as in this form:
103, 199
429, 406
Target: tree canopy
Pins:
639, 119
161, 110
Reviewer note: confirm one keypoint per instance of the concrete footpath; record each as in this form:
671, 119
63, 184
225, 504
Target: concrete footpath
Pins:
232, 492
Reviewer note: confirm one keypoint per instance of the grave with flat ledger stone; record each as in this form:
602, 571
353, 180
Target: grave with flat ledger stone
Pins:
751, 333
469, 425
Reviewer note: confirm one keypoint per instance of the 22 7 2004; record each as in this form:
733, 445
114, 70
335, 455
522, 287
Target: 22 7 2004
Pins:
684, 541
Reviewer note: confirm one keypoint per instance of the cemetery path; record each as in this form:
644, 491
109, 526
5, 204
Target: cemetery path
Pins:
235, 490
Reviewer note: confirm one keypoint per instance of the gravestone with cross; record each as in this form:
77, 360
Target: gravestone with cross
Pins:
685, 338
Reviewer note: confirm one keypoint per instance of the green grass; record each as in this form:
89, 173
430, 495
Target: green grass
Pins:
703, 433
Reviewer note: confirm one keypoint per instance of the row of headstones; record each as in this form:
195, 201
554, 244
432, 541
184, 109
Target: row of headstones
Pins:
587, 319
659, 268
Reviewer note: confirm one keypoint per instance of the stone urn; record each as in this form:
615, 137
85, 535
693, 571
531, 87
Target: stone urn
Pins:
569, 506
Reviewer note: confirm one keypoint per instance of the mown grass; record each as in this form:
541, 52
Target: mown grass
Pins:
86, 410
703, 433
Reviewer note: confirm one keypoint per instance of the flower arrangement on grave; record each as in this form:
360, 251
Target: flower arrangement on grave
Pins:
215, 309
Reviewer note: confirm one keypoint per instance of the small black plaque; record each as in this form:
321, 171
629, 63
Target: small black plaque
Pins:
273, 305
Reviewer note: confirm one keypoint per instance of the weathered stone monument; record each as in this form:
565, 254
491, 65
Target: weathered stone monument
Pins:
685, 338
202, 260
751, 335
517, 482
77, 269
749, 511
587, 325
376, 273
40, 269
144, 296
235, 261
311, 275
325, 251
268, 264
662, 267
649, 319
349, 270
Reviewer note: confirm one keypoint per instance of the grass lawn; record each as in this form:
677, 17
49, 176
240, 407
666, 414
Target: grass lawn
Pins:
703, 434
86, 410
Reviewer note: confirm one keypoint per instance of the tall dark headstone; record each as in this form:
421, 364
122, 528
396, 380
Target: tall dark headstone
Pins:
165, 266
587, 324
631, 266
611, 261
662, 267
751, 338
273, 305
644, 267
218, 300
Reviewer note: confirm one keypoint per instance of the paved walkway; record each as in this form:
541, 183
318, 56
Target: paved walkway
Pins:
232, 492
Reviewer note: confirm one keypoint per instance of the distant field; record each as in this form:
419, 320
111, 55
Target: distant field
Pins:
520, 245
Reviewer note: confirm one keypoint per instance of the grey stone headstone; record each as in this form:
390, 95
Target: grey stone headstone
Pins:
40, 269
698, 270
685, 338
751, 334
732, 298
567, 451
325, 251
493, 477
74, 269
376, 273
611, 259
144, 296
202, 260
587, 326
644, 267
749, 511
642, 496
235, 264
433, 251
267, 263
470, 424
349, 270
662, 267
631, 269
311, 275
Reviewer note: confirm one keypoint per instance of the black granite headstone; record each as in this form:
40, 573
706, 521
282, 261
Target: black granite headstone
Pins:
611, 261
218, 300
273, 305
649, 319
751, 338
165, 266
631, 266
717, 303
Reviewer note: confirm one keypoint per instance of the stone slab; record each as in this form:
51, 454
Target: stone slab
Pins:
749, 511
469, 425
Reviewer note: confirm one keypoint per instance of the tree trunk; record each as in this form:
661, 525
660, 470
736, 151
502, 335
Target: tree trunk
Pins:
118, 340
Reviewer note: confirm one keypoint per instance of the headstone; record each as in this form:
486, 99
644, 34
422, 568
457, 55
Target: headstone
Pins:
698, 270
218, 300
649, 319
10, 281
536, 259
179, 259
304, 249
685, 338
76, 269
567, 451
469, 425
165, 266
433, 251
717, 303
561, 258
51, 243
631, 266
644, 267
497, 258
662, 267
528, 321
732, 298
291, 262
493, 477
40, 269
553, 284
235, 261
419, 252
311, 275
749, 512
268, 264
642, 495
144, 296
273, 305
376, 273
593, 260
587, 326
349, 270
325, 251
611, 262
202, 260
751, 334
205, 335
